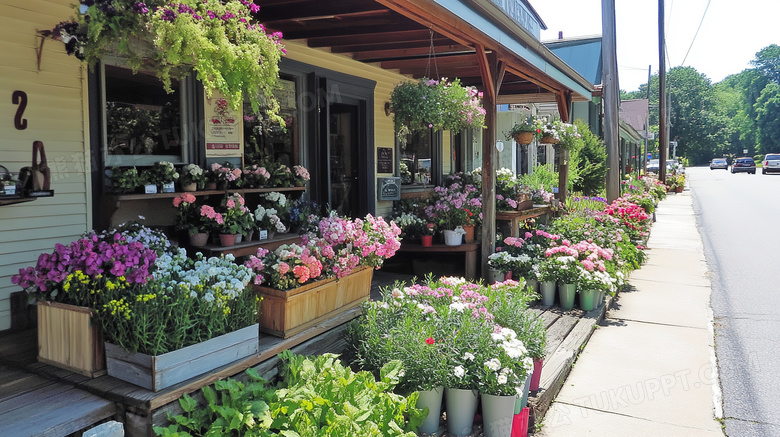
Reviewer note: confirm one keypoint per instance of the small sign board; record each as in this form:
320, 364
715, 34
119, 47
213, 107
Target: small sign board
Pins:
389, 188
384, 160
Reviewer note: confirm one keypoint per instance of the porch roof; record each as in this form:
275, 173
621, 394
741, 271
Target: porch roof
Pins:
398, 35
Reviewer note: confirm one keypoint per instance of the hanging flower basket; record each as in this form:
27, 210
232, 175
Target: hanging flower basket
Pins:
524, 138
548, 139
217, 39
435, 104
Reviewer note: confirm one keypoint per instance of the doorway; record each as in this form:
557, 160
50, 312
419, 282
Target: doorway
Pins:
343, 152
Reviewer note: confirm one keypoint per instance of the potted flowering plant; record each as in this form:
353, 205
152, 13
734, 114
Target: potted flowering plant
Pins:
188, 218
237, 219
278, 202
524, 132
435, 104
165, 175
214, 38
255, 176
546, 131
412, 226
300, 175
225, 175
268, 221
303, 215
192, 177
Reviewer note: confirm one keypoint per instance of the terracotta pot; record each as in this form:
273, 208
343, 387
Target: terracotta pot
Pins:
211, 186
226, 240
426, 240
469, 237
190, 187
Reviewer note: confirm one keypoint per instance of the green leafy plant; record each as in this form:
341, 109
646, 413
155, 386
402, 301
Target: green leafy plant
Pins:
527, 125
317, 396
125, 179
217, 39
192, 174
435, 104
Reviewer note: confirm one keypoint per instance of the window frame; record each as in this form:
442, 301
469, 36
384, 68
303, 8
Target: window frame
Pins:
187, 103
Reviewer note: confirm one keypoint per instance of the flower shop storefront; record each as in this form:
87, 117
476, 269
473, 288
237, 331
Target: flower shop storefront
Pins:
203, 151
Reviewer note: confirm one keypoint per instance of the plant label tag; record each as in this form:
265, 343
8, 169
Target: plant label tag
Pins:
169, 187
150, 189
10, 189
263, 234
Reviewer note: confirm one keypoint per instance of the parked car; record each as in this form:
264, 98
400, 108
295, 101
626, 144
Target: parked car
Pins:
719, 163
771, 163
652, 166
744, 165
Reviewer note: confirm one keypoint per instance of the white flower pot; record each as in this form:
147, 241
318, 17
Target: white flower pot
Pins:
169, 187
452, 238
150, 189
461, 406
432, 400
498, 412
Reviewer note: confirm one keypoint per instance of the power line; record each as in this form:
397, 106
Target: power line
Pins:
697, 31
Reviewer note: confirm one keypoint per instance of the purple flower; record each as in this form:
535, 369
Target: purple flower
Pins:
254, 8
168, 15
211, 14
227, 15
140, 8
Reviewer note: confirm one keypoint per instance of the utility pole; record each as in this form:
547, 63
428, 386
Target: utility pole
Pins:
647, 120
663, 137
610, 97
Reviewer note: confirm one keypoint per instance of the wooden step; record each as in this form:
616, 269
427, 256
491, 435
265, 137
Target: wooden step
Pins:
34, 406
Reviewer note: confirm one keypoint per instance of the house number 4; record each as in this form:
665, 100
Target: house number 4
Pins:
20, 98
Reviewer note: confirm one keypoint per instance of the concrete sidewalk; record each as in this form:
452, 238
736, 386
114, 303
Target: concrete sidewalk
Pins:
649, 369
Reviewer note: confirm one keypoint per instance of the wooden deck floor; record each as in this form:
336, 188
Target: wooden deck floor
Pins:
31, 405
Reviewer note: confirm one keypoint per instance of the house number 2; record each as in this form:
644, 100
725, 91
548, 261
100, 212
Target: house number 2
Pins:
20, 98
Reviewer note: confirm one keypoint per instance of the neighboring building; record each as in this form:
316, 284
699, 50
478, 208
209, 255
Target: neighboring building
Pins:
344, 59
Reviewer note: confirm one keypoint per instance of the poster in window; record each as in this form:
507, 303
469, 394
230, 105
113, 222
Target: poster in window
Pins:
224, 129
384, 162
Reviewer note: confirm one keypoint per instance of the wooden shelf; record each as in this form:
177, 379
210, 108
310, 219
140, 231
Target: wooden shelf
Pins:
129, 197
249, 247
14, 200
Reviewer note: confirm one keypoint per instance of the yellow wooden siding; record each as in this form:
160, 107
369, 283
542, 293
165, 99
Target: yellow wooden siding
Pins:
56, 107
385, 82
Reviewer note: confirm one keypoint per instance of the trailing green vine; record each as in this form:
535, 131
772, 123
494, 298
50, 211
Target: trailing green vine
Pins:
217, 39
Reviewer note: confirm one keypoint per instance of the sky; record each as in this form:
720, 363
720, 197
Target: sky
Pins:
731, 33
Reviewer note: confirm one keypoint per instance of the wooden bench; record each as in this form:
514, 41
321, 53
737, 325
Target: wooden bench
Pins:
468, 250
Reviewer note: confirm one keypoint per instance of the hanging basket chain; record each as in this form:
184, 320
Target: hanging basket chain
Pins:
432, 54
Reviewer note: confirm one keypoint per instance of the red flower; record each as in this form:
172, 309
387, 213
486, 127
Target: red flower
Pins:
430, 340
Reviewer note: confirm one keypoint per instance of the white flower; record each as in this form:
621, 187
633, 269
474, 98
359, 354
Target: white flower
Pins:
459, 371
468, 356
397, 293
458, 306
502, 379
493, 364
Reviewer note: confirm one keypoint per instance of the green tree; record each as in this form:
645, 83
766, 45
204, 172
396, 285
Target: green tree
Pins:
768, 118
767, 62
592, 165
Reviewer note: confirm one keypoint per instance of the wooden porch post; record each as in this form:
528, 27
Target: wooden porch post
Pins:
564, 104
492, 72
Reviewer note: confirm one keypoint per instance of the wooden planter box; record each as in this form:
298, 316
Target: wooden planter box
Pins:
286, 313
69, 337
156, 372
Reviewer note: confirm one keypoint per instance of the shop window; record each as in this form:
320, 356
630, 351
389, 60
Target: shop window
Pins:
417, 160
268, 141
142, 123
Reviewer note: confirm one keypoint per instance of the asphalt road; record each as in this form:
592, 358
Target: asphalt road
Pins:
739, 220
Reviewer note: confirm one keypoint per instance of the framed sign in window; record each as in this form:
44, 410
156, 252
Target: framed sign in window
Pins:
384, 162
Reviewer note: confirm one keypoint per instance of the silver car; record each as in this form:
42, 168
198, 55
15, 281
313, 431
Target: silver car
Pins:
771, 163
719, 163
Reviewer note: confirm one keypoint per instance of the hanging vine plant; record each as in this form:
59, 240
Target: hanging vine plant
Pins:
215, 38
435, 104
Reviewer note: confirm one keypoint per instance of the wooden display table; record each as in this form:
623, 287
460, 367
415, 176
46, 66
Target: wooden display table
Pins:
515, 217
469, 251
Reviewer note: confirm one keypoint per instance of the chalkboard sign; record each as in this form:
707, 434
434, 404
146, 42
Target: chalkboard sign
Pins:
384, 162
